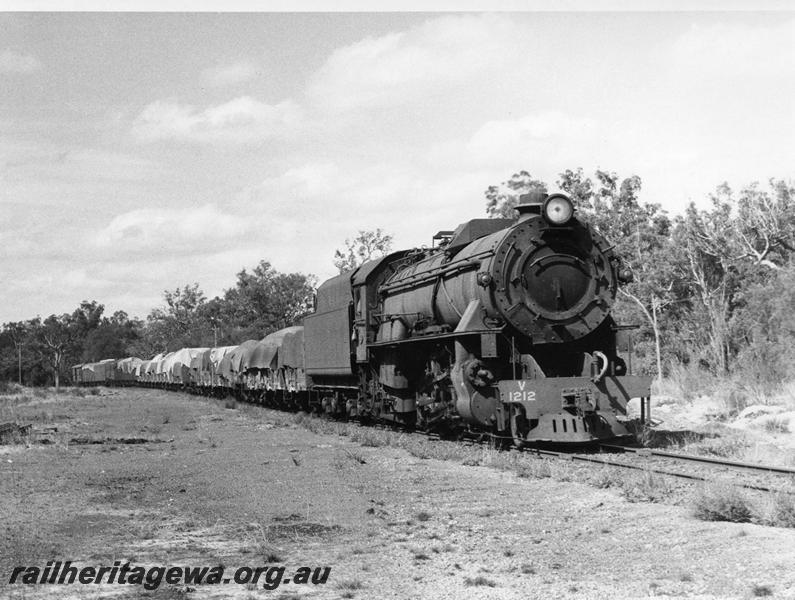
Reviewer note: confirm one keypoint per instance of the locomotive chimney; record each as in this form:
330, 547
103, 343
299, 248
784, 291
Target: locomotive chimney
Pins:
530, 204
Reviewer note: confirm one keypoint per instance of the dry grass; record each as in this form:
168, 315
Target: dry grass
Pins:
479, 581
370, 437
709, 503
729, 445
686, 383
781, 511
761, 591
777, 425
721, 502
348, 587
35, 405
645, 487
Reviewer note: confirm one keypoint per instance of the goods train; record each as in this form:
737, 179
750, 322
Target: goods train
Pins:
502, 327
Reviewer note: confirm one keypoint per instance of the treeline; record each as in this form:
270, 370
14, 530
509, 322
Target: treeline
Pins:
713, 290
714, 287
40, 351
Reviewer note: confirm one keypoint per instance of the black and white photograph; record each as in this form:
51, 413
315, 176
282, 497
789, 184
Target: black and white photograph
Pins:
382, 300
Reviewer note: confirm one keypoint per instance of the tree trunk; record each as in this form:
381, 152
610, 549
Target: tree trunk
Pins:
719, 335
652, 318
655, 326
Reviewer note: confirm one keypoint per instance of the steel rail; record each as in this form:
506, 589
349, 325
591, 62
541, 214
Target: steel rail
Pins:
573, 457
702, 459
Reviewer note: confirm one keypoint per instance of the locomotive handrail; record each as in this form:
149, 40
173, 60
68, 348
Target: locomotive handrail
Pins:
411, 282
450, 268
435, 336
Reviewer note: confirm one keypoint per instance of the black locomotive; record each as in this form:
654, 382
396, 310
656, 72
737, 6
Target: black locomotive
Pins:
503, 327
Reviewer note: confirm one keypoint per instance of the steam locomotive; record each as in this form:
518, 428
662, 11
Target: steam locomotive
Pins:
502, 326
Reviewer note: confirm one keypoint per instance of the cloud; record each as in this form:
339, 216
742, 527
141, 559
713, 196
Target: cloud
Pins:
14, 62
737, 50
406, 66
228, 75
241, 120
530, 136
313, 208
172, 230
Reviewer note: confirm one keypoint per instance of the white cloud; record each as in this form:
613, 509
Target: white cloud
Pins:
243, 119
531, 137
14, 62
228, 75
172, 230
313, 208
737, 50
42, 172
426, 59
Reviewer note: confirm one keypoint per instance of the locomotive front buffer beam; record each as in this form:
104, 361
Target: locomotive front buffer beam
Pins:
567, 409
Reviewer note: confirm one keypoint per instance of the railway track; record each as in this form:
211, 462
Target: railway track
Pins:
759, 478
702, 459
756, 477
696, 469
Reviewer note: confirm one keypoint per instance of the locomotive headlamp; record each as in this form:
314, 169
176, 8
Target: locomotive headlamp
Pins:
625, 275
557, 209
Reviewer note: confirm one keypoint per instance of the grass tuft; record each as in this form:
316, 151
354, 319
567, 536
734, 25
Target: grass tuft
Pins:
647, 487
777, 425
782, 513
420, 555
722, 503
760, 591
350, 584
479, 581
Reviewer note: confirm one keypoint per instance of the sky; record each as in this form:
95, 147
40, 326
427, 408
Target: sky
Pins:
140, 152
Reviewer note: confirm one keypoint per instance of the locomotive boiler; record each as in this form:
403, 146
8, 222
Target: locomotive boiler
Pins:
503, 326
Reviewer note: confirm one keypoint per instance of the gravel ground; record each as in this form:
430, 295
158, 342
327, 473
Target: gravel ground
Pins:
214, 486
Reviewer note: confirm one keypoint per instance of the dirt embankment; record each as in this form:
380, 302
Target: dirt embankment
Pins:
232, 487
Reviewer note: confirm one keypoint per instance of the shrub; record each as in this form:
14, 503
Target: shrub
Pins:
722, 503
761, 591
782, 513
370, 437
777, 425
647, 487
350, 584
479, 580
